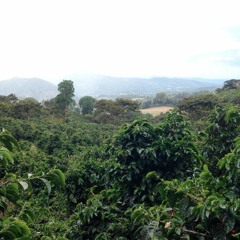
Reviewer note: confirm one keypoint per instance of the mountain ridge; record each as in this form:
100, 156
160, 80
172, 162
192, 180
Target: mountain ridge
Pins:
104, 85
107, 85
28, 87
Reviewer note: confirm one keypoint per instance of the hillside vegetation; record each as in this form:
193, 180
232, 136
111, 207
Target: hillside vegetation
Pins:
101, 169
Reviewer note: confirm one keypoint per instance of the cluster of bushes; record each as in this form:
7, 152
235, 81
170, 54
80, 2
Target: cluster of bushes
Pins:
113, 174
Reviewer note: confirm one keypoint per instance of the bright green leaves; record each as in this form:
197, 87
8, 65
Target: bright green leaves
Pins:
100, 216
147, 153
16, 213
144, 155
153, 191
53, 177
151, 175
176, 148
208, 205
27, 214
133, 148
56, 177
88, 176
221, 132
139, 216
47, 184
6, 157
11, 199
11, 192
133, 141
12, 229
8, 140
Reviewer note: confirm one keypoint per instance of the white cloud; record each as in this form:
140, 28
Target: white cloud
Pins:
54, 38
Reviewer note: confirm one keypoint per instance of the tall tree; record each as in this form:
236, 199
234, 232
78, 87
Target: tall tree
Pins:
65, 98
87, 104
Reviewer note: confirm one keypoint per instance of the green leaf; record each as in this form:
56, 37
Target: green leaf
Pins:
24, 238
57, 177
205, 167
151, 198
5, 156
12, 192
138, 216
185, 236
151, 175
23, 184
178, 231
46, 238
8, 140
48, 185
7, 235
15, 229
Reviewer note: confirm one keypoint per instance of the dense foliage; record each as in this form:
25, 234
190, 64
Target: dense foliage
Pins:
86, 103
117, 174
16, 213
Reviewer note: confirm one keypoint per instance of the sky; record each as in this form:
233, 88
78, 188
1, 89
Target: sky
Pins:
55, 39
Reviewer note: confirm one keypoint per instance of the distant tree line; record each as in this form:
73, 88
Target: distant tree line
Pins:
168, 99
63, 105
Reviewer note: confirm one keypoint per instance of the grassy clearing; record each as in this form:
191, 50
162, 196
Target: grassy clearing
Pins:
155, 111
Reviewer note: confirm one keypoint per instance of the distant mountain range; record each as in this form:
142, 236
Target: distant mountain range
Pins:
104, 85
28, 87
96, 86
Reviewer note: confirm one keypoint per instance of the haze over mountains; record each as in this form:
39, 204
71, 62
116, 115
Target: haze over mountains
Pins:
98, 86
28, 87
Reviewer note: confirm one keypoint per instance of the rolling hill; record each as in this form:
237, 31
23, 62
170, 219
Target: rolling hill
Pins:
105, 85
28, 87
96, 85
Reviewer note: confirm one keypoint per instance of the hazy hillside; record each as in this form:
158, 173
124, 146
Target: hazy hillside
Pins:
104, 85
96, 85
28, 87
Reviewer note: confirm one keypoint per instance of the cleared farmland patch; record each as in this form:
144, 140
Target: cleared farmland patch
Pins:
155, 111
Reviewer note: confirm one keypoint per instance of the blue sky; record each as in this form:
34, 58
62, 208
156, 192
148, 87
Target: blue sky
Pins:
54, 39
